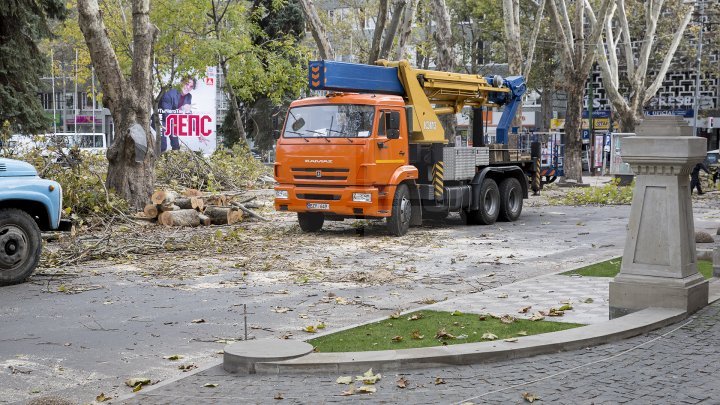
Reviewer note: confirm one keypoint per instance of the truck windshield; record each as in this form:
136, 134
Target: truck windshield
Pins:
331, 121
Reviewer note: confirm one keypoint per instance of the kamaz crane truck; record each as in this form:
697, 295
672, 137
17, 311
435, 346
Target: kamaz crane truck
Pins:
374, 147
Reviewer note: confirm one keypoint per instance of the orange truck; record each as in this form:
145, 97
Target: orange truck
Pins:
373, 147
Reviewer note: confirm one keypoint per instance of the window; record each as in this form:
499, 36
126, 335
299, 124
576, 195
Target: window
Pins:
330, 121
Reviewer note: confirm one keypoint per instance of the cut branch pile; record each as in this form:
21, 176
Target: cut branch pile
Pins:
194, 208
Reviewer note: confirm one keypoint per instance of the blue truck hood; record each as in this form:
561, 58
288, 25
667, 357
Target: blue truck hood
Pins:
15, 168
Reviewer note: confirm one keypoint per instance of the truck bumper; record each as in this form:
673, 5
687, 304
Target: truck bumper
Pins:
336, 201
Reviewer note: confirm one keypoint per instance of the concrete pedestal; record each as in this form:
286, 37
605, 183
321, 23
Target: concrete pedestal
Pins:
659, 267
241, 357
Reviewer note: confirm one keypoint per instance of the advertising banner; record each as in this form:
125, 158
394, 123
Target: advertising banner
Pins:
188, 115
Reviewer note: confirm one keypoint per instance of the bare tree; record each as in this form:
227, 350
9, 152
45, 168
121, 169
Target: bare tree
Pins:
405, 28
445, 57
392, 29
131, 157
377, 33
577, 55
317, 29
630, 111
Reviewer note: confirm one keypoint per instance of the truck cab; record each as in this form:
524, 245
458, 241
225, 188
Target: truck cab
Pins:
28, 205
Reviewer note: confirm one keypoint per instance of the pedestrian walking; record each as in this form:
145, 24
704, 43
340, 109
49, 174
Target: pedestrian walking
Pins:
695, 177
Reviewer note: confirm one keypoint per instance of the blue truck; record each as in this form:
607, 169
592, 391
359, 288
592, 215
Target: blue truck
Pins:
28, 205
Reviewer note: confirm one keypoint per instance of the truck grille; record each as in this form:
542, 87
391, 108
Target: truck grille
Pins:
320, 173
324, 197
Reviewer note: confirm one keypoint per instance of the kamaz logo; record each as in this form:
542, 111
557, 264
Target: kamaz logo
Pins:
318, 161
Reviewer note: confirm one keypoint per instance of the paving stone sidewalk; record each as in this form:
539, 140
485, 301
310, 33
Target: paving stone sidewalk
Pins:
674, 365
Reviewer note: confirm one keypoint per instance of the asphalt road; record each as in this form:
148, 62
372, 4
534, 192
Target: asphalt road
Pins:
88, 331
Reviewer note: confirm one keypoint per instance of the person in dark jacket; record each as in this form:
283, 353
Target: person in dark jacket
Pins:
175, 100
695, 177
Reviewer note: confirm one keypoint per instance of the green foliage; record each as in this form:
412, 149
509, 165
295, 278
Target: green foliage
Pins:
430, 328
609, 194
82, 177
24, 25
226, 169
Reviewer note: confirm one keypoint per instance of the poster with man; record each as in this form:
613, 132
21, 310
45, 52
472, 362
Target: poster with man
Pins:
188, 116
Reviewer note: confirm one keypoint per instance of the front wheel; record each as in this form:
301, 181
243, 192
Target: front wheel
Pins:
311, 221
489, 203
20, 246
511, 199
398, 222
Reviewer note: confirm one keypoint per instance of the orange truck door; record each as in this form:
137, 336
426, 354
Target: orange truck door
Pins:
390, 153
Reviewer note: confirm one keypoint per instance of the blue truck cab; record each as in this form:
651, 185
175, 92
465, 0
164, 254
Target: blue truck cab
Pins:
28, 205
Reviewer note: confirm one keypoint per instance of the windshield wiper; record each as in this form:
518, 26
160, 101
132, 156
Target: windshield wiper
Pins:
299, 135
322, 135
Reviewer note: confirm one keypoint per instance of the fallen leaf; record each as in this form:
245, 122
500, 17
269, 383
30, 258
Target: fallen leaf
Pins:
522, 333
321, 325
102, 397
368, 377
524, 310
489, 336
402, 382
502, 295
511, 340
397, 338
365, 389
537, 316
566, 307
341, 301
187, 367
456, 313
530, 397
415, 317
442, 334
490, 275
350, 391
507, 319
134, 382
137, 388
395, 315
198, 321
62, 288
173, 357
344, 380
482, 317
211, 385
416, 335
555, 312
310, 329
279, 395
280, 310
439, 381
588, 301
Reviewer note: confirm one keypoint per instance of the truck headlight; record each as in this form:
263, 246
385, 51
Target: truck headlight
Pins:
362, 197
281, 194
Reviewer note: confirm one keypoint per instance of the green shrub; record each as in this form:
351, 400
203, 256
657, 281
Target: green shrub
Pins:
609, 194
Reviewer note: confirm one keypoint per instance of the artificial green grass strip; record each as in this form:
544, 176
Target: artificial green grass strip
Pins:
611, 268
431, 328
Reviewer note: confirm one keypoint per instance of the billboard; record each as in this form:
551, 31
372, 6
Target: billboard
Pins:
188, 115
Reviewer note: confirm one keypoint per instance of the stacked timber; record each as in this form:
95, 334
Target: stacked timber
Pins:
194, 208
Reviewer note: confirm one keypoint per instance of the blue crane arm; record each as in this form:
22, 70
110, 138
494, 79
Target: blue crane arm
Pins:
354, 78
512, 102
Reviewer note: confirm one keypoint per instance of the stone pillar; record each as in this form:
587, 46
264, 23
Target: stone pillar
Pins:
659, 267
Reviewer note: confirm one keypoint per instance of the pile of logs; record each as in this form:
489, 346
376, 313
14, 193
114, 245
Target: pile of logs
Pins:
193, 208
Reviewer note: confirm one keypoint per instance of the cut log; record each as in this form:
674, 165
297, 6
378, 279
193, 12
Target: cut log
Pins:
248, 211
184, 203
151, 211
223, 215
180, 218
163, 197
168, 207
204, 219
216, 199
197, 203
191, 192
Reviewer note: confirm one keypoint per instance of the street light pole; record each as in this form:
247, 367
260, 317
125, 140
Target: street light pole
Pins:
696, 106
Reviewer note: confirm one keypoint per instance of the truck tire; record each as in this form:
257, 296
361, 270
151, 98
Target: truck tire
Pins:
311, 221
511, 199
489, 203
398, 222
20, 246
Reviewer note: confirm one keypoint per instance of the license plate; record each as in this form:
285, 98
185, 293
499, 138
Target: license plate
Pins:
318, 206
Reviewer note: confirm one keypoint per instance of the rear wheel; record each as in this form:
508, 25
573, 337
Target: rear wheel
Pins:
20, 246
311, 221
489, 203
511, 199
399, 221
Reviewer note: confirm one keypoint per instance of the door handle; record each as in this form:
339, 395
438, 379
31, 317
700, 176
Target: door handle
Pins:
401, 153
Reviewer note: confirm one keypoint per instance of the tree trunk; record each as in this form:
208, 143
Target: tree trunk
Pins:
234, 104
573, 120
130, 170
392, 30
179, 218
223, 215
377, 33
405, 29
317, 29
443, 36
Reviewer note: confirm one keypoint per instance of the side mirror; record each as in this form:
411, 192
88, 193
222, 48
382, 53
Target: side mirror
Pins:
299, 123
392, 124
276, 134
